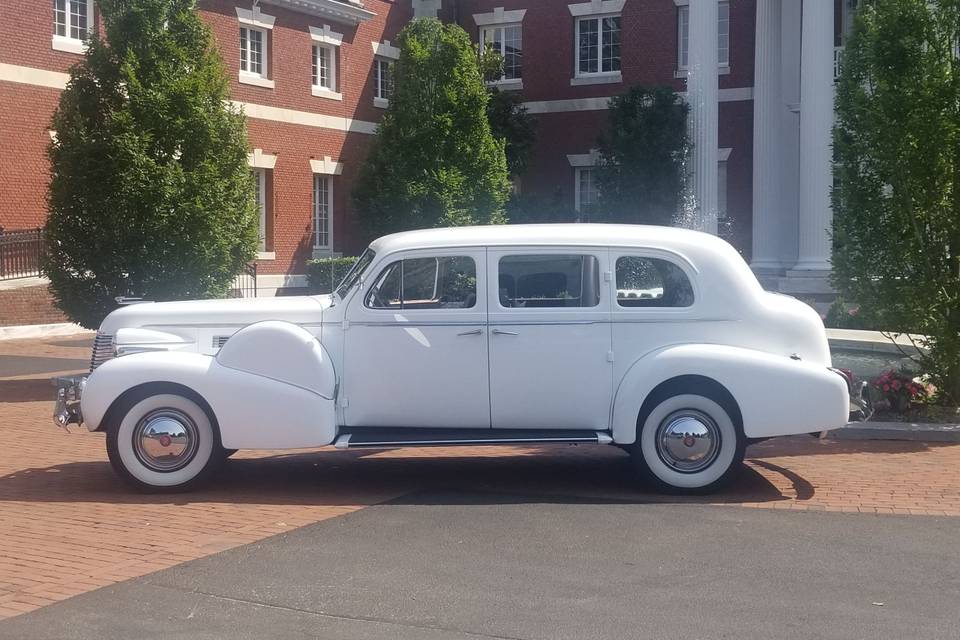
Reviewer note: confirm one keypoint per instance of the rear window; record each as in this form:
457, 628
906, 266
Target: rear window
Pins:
652, 282
543, 281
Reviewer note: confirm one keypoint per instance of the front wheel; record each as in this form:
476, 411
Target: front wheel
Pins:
688, 444
162, 442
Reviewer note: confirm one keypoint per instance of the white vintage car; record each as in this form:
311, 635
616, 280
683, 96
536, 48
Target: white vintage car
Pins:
658, 340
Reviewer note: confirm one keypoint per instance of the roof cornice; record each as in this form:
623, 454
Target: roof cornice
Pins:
348, 11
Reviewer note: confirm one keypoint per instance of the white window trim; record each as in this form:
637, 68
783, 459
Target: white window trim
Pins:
502, 82
257, 79
325, 35
576, 184
596, 7
593, 77
257, 159
320, 91
590, 159
385, 50
723, 154
266, 255
261, 178
322, 249
723, 69
499, 17
379, 102
74, 45
326, 166
254, 18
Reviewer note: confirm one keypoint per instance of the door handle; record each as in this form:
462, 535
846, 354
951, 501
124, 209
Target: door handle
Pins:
472, 332
501, 332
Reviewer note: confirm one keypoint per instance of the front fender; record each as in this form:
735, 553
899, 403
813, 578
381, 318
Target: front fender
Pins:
776, 395
257, 404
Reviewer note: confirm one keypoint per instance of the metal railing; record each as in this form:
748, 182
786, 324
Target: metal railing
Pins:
245, 285
21, 253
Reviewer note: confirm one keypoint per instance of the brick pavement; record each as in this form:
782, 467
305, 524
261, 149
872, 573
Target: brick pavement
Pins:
68, 526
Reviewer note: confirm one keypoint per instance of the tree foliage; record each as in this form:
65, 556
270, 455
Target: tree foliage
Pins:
150, 194
896, 199
641, 175
510, 122
434, 161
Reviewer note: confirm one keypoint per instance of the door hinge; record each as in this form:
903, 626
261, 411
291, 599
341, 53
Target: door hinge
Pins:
346, 325
344, 402
607, 276
609, 356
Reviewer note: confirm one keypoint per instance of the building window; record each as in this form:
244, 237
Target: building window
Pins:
260, 197
253, 51
507, 40
598, 45
324, 68
382, 79
322, 201
72, 24
586, 192
723, 35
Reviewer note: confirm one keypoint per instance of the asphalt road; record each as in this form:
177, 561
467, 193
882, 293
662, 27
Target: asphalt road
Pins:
472, 565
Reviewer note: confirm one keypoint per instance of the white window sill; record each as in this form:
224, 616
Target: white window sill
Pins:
722, 70
69, 45
596, 78
255, 80
266, 255
323, 92
512, 84
324, 252
381, 103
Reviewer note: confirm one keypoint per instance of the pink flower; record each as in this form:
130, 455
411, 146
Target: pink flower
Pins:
896, 385
886, 387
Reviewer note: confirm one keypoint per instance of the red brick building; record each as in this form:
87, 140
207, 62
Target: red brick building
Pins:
312, 77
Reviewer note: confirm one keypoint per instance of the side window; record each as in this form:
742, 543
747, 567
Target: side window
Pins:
538, 281
652, 282
449, 282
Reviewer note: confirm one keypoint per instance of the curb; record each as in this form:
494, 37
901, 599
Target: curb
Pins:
41, 331
911, 431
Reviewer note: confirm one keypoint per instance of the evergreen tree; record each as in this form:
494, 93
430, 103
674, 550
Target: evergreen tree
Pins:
151, 195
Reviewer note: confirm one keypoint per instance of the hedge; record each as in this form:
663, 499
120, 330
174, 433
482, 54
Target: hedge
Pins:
323, 274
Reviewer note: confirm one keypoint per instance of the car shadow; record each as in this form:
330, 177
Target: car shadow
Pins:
331, 478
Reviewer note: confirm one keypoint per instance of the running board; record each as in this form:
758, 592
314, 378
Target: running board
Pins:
389, 438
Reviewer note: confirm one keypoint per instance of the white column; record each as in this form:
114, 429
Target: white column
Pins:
816, 120
702, 94
767, 143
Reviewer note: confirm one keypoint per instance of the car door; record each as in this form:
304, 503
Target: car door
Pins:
415, 348
550, 341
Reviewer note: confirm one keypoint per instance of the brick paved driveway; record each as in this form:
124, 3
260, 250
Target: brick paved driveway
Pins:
67, 525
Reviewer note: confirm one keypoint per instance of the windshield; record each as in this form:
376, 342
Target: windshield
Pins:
355, 272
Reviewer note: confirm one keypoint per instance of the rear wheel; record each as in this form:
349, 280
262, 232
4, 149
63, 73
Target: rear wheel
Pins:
163, 442
688, 444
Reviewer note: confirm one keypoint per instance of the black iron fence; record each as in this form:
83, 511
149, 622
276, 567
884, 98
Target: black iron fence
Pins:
21, 253
245, 286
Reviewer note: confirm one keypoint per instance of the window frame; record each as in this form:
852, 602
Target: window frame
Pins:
315, 212
683, 35
67, 42
260, 198
599, 73
322, 90
381, 97
247, 60
552, 252
678, 260
645, 255
392, 259
578, 190
502, 27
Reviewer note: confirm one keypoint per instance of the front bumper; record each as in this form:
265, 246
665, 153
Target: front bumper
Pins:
69, 392
861, 406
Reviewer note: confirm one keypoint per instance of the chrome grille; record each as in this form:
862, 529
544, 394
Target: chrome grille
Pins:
219, 341
102, 350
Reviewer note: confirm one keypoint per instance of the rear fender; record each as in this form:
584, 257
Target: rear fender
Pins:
775, 394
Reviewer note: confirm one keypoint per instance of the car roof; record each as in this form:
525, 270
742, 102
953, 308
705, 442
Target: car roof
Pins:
577, 234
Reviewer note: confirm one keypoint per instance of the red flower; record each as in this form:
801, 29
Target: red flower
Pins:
886, 387
896, 385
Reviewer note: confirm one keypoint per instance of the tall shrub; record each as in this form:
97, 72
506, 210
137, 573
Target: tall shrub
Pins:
896, 198
434, 161
641, 175
151, 194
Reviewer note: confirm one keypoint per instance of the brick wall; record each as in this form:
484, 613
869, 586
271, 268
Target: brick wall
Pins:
28, 305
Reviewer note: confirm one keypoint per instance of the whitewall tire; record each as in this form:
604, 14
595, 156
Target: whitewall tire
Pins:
163, 442
688, 444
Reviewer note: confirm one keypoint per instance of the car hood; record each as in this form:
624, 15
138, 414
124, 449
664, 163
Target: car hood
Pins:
235, 312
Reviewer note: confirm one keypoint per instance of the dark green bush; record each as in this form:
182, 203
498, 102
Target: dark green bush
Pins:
324, 274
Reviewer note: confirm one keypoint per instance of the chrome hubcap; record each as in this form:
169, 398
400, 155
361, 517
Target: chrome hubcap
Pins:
165, 440
688, 441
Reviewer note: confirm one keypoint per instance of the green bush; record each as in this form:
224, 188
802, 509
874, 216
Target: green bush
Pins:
324, 274
150, 192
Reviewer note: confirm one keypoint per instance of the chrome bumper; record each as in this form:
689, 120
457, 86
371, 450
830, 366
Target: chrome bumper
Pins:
67, 409
861, 406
